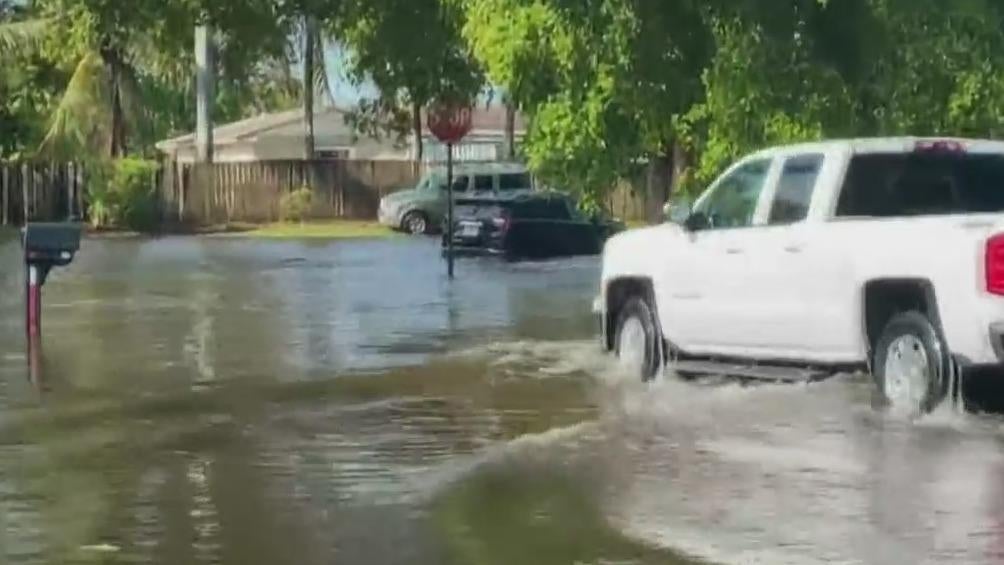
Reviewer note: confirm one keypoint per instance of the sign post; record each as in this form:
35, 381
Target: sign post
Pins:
449, 123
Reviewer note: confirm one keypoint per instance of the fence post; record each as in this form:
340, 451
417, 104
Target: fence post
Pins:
25, 177
4, 196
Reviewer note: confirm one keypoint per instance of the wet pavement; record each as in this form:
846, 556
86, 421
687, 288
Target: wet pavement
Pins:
223, 400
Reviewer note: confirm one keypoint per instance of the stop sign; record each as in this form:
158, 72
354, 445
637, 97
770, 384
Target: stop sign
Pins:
450, 123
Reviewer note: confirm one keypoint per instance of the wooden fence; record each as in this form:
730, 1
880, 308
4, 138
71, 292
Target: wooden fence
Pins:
41, 192
250, 192
235, 192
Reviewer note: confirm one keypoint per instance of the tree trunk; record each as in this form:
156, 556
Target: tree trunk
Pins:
680, 164
510, 131
310, 30
416, 131
665, 174
117, 142
657, 187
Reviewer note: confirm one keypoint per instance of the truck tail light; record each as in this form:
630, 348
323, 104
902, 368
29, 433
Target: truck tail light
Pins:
501, 223
994, 267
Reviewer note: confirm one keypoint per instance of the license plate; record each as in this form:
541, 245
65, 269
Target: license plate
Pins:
470, 229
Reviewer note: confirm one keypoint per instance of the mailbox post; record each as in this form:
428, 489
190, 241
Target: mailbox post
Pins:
46, 245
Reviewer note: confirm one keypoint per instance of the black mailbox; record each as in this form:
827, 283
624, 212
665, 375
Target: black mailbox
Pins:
51, 245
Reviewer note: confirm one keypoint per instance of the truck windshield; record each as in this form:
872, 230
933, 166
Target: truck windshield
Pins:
915, 184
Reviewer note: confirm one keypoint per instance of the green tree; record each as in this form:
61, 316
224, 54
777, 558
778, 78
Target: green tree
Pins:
130, 65
413, 52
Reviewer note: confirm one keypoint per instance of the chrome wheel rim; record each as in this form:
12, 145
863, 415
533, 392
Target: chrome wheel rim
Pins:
632, 348
416, 224
907, 373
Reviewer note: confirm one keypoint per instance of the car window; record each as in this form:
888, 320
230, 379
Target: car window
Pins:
924, 183
733, 201
484, 183
795, 189
460, 183
541, 209
514, 182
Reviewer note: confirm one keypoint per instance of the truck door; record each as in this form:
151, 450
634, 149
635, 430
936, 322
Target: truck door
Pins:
801, 278
711, 301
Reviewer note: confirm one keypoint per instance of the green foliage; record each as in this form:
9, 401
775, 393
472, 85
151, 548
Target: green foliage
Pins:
127, 67
611, 84
121, 194
412, 51
296, 205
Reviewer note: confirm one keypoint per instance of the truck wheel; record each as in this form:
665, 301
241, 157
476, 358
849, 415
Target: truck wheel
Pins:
911, 364
637, 340
415, 223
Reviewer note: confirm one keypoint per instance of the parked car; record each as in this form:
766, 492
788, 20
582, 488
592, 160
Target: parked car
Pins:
423, 208
800, 261
527, 226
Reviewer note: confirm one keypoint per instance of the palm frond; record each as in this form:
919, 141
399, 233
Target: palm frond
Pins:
138, 115
322, 81
18, 37
80, 126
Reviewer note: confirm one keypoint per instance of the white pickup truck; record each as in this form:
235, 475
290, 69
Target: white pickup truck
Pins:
805, 260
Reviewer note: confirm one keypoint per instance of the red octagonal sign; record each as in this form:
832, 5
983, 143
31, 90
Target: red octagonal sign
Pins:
450, 123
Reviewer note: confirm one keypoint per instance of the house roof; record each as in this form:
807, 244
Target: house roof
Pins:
485, 120
250, 128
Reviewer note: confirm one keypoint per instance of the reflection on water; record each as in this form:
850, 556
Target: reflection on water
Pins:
230, 401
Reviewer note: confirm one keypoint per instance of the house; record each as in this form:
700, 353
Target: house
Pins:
279, 136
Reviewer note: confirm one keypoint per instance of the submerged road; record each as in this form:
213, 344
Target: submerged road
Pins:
234, 401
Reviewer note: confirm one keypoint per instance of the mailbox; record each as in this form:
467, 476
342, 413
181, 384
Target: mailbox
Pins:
53, 244
46, 245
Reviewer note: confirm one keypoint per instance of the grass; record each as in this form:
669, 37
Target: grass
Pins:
329, 229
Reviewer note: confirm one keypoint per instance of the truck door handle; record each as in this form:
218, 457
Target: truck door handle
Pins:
793, 248
733, 251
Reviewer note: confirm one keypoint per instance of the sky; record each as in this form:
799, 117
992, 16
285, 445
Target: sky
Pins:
346, 93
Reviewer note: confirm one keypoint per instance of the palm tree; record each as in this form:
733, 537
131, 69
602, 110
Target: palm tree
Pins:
103, 93
316, 83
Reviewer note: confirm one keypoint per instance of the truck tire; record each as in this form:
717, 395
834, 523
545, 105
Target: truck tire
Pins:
912, 364
637, 340
415, 223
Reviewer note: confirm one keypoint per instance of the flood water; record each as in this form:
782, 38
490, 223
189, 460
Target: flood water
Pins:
233, 401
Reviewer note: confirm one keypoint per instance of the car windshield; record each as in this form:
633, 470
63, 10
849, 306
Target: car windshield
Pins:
912, 184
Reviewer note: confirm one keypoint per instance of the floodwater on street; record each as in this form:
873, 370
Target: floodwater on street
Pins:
227, 400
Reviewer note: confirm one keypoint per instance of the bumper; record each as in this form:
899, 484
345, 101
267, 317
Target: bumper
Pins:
474, 251
389, 217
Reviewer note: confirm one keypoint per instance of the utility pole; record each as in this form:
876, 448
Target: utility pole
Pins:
205, 76
309, 70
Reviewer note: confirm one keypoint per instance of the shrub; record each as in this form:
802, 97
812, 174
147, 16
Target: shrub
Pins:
121, 193
295, 206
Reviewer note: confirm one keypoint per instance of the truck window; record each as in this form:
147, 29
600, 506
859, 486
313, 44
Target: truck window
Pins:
734, 200
795, 188
484, 183
509, 182
914, 184
460, 184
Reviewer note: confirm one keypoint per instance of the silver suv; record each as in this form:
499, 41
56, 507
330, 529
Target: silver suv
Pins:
423, 209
